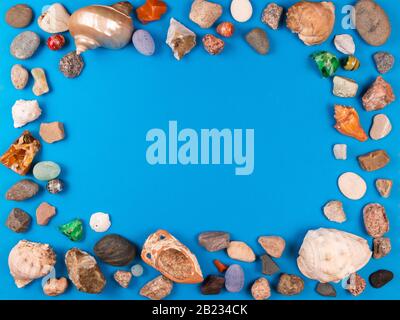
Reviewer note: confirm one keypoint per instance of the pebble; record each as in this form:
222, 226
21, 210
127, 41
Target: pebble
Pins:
84, 271
384, 61
384, 187
326, 62
55, 42
212, 285
381, 127
234, 278
71, 65
100, 222
344, 43
382, 247
376, 221
24, 112
333, 210
19, 76
269, 267
137, 270
44, 213
272, 15
326, 290
55, 287
157, 289
239, 250
220, 266
19, 16
180, 39
40, 85
258, 40
344, 87
226, 29
356, 284
73, 230
374, 160
290, 284
115, 250
24, 45
22, 190
214, 240
241, 10
123, 278
46, 170
260, 290
372, 23
352, 186
350, 63
143, 42
18, 221
340, 151
54, 19
205, 13
212, 44
55, 186
273, 245
52, 132
380, 278
378, 96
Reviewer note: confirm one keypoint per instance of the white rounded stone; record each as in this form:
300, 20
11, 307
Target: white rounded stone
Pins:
381, 127
352, 185
100, 222
241, 10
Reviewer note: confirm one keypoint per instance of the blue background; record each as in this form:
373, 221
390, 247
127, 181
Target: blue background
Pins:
121, 95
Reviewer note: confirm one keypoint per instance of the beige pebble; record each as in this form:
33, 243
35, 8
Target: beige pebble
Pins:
344, 43
19, 76
260, 290
55, 287
123, 278
273, 245
239, 250
376, 221
384, 187
205, 13
344, 87
340, 151
241, 10
40, 86
381, 127
352, 185
44, 213
52, 132
333, 210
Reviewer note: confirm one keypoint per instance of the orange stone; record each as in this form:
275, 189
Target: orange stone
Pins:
348, 123
220, 266
21, 153
152, 10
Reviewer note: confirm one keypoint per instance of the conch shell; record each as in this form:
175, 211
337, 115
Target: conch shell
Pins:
348, 123
29, 261
312, 21
174, 260
330, 255
96, 26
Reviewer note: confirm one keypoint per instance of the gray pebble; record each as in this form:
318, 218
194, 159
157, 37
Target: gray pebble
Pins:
24, 45
143, 42
269, 267
326, 290
258, 40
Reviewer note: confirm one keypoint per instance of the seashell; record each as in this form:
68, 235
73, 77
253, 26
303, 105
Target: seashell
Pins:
312, 21
348, 123
55, 19
29, 261
96, 26
330, 255
173, 259
115, 250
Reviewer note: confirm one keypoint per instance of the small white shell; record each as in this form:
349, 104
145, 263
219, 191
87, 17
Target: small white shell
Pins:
241, 10
25, 111
100, 222
54, 19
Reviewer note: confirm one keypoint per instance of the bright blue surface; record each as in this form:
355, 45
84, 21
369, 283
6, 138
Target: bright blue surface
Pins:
121, 95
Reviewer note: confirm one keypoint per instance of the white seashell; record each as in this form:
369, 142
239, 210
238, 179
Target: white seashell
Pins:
241, 10
100, 222
330, 255
55, 19
25, 111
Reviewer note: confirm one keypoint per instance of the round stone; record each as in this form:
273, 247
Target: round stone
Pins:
143, 42
352, 185
71, 65
46, 170
19, 76
137, 270
241, 10
55, 186
380, 278
100, 222
19, 16
234, 278
24, 45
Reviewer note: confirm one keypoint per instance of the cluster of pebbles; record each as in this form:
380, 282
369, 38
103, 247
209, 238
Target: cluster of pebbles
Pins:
313, 23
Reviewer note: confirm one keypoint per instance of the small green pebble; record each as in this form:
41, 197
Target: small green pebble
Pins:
327, 63
73, 230
137, 270
46, 170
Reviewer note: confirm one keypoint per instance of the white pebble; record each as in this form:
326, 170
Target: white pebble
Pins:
100, 222
137, 270
344, 43
25, 111
352, 185
381, 127
340, 151
241, 10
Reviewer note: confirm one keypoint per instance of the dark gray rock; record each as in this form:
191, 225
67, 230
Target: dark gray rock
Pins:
214, 240
326, 290
380, 278
269, 267
212, 285
115, 250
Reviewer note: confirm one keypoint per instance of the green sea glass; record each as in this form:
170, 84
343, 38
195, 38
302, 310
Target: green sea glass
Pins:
73, 230
327, 63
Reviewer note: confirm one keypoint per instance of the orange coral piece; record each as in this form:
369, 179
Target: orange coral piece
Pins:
348, 123
21, 153
220, 266
152, 10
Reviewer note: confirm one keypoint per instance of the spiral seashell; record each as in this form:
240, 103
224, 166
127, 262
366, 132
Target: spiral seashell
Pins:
101, 26
330, 255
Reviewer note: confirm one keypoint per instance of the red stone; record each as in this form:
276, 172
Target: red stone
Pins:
56, 42
152, 10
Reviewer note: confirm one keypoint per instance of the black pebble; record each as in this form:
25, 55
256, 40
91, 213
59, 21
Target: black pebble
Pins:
212, 285
326, 290
379, 278
269, 267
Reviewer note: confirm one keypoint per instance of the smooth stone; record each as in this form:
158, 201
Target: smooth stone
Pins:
344, 43
143, 42
40, 85
157, 289
340, 151
71, 65
123, 278
44, 213
380, 278
381, 127
344, 87
376, 221
326, 290
19, 16
52, 132
333, 211
241, 10
384, 187
269, 267
22, 190
24, 45
18, 220
352, 186
100, 222
55, 186
46, 170
382, 247
239, 250
260, 290
234, 278
384, 61
374, 160
214, 240
115, 250
212, 285
137, 270
273, 245
258, 40
290, 284
19, 76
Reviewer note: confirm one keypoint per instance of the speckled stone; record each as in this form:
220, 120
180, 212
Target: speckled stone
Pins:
24, 45
18, 220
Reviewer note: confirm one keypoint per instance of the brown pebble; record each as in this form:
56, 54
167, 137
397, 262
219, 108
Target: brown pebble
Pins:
123, 278
212, 44
290, 284
52, 132
384, 187
157, 288
375, 220
22, 190
269, 266
18, 220
272, 15
214, 240
382, 247
273, 245
44, 213
356, 284
226, 29
378, 96
333, 210
55, 287
260, 290
374, 160
258, 40
384, 61
19, 16
212, 285
71, 65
